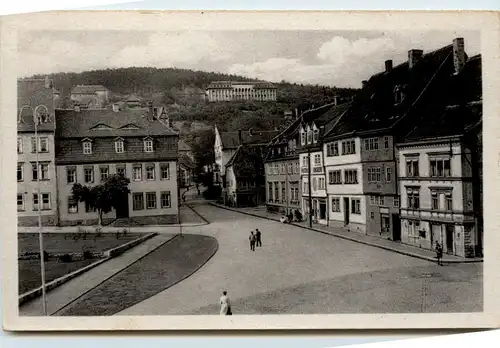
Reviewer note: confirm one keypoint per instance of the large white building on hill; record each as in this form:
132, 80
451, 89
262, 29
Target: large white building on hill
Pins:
240, 90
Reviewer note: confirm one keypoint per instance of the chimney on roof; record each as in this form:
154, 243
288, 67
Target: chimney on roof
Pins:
388, 65
77, 107
240, 137
458, 54
414, 56
335, 100
116, 107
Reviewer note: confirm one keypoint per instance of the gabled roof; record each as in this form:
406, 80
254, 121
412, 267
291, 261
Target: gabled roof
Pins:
462, 107
88, 89
73, 124
133, 98
186, 161
32, 93
246, 162
230, 140
374, 107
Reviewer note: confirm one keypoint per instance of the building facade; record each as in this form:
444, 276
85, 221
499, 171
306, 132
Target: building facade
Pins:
91, 145
219, 91
36, 185
282, 167
437, 195
90, 96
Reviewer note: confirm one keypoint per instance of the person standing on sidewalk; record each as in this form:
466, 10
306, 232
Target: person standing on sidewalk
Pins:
252, 241
225, 304
439, 253
258, 238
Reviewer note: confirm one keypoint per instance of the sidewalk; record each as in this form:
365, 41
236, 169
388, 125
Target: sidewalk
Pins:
70, 291
385, 244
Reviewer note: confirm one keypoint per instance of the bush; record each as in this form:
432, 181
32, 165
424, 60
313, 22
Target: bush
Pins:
65, 258
87, 255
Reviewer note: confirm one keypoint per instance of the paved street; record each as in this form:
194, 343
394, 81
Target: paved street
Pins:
302, 271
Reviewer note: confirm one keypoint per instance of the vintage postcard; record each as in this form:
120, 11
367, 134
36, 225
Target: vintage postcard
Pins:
250, 170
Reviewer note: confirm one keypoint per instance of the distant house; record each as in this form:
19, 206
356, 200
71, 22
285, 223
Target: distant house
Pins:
133, 101
244, 178
91, 96
226, 145
185, 149
35, 103
93, 144
186, 170
219, 91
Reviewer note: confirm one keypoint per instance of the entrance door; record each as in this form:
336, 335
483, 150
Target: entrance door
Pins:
346, 211
385, 223
322, 210
396, 228
122, 209
450, 229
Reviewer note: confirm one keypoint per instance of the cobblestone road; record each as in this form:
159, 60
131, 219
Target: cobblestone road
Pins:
302, 271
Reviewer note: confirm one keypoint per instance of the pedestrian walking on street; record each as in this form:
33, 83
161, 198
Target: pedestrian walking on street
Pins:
258, 238
252, 241
439, 253
225, 304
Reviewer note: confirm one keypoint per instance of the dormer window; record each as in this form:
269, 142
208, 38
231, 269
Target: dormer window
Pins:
148, 144
315, 134
398, 94
309, 135
87, 146
302, 136
42, 114
119, 147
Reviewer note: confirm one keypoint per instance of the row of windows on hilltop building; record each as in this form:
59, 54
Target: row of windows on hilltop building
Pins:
289, 168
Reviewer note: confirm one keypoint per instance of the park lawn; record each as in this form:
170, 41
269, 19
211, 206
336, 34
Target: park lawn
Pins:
29, 272
157, 271
63, 243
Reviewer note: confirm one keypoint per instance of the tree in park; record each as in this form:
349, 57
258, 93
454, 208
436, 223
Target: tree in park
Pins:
105, 196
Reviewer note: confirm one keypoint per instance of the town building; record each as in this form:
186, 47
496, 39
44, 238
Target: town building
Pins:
440, 170
389, 106
186, 171
315, 123
90, 96
245, 178
227, 143
36, 185
282, 168
222, 91
93, 144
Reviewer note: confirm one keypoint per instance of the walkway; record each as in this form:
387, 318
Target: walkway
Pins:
70, 291
356, 237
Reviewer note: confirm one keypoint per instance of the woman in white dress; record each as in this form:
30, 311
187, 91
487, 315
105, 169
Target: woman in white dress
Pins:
225, 304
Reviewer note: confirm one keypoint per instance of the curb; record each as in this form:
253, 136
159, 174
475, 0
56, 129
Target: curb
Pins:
109, 254
407, 253
199, 215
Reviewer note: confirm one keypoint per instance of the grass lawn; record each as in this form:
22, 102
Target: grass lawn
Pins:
62, 243
159, 270
29, 272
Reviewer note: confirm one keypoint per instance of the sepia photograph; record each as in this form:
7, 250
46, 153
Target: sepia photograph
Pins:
210, 170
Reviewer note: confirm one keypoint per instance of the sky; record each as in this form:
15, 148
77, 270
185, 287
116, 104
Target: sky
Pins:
333, 58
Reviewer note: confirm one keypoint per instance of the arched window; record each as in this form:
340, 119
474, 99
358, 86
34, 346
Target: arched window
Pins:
302, 136
42, 114
315, 134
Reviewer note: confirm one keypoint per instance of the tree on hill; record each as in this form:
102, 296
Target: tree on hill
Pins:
105, 196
